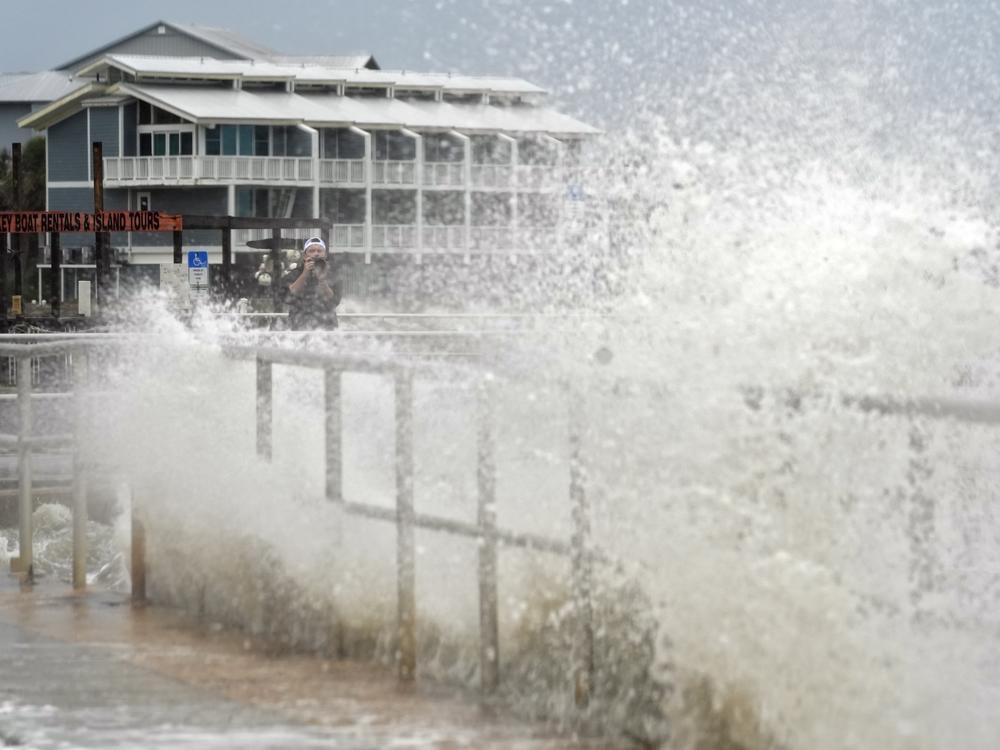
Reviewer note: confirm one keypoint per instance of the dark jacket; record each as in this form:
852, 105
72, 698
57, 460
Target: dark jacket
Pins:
308, 310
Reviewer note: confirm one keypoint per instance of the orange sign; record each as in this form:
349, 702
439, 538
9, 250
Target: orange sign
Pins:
32, 222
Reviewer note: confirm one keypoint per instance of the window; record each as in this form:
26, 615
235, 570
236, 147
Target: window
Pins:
166, 143
394, 146
150, 115
233, 140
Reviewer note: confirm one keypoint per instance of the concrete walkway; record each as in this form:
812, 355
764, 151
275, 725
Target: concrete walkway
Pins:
89, 671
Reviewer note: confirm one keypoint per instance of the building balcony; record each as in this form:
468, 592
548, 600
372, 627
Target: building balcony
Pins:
129, 171
165, 171
409, 238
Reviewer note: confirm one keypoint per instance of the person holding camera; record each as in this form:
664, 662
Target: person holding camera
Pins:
313, 292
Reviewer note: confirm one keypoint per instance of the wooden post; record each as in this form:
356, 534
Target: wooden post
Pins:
489, 628
265, 396
79, 475
138, 554
25, 561
227, 264
583, 667
102, 257
4, 256
405, 542
276, 270
18, 248
334, 455
178, 247
55, 274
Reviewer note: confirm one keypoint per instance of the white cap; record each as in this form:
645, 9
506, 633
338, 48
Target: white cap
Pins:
314, 241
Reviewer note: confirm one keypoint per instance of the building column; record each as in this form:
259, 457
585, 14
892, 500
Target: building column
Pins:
368, 190
314, 150
513, 188
560, 147
419, 145
467, 179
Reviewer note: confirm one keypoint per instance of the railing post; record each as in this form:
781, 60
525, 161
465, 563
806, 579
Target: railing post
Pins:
334, 483
79, 476
25, 562
405, 546
489, 628
265, 397
138, 552
583, 667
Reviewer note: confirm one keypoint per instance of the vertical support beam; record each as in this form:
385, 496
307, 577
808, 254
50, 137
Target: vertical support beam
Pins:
334, 455
276, 270
265, 397
230, 209
178, 247
227, 263
369, 182
561, 182
418, 145
489, 627
512, 142
4, 257
25, 562
102, 254
18, 240
138, 570
467, 183
79, 473
581, 560
405, 541
55, 274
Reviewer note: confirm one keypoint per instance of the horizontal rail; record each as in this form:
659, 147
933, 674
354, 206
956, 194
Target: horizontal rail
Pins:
975, 412
460, 528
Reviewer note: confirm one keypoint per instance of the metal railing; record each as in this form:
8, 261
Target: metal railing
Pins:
485, 531
26, 441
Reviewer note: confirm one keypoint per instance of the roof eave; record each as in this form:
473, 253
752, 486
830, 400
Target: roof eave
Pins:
61, 108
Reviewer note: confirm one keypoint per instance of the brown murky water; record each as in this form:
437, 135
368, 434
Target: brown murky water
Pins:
90, 671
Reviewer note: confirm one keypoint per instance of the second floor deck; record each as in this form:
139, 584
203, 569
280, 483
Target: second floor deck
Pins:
166, 171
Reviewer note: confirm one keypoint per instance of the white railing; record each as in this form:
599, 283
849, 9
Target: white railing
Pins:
536, 238
342, 171
492, 175
444, 174
444, 238
144, 170
394, 237
395, 172
172, 169
491, 238
242, 236
348, 236
538, 176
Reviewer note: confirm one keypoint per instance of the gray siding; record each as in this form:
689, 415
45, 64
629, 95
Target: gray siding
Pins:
68, 151
73, 199
9, 131
104, 128
130, 130
211, 201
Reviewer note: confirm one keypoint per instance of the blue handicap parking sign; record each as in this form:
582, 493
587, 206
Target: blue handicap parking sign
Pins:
198, 259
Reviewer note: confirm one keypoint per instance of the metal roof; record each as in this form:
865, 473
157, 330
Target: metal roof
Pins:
212, 105
224, 39
46, 86
361, 60
148, 66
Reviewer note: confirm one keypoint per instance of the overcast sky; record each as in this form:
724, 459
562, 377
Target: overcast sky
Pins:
597, 56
